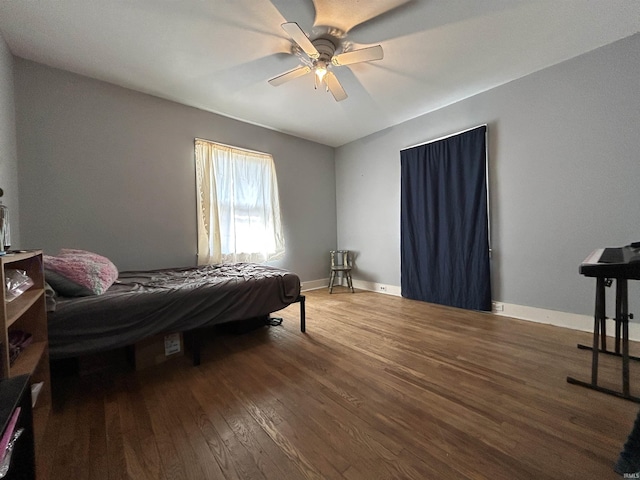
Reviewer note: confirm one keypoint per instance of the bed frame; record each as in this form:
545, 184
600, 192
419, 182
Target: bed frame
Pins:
194, 337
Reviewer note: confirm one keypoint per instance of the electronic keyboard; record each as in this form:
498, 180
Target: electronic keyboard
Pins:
617, 262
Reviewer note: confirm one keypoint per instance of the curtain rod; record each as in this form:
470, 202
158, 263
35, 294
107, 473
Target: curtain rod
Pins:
234, 147
446, 136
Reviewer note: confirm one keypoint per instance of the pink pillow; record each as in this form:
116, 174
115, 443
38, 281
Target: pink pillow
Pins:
75, 273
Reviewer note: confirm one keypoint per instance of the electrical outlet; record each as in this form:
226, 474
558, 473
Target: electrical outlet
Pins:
382, 288
497, 307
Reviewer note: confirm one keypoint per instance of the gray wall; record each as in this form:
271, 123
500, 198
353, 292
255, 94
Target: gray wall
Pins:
111, 170
8, 153
564, 177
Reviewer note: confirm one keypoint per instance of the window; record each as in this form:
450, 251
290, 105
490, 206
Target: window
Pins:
238, 205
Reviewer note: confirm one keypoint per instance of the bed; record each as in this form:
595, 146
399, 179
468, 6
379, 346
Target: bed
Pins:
140, 304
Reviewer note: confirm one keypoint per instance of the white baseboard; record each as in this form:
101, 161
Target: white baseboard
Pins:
561, 319
378, 287
533, 314
359, 284
314, 284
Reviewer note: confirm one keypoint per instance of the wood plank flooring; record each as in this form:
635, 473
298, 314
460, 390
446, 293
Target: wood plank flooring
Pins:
379, 387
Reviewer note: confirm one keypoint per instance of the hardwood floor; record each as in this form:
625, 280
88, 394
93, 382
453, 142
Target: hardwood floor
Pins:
378, 387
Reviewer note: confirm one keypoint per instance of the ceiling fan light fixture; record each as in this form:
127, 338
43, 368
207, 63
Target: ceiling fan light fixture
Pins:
320, 70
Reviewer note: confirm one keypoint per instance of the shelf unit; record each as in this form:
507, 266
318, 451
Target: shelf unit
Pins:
15, 392
27, 313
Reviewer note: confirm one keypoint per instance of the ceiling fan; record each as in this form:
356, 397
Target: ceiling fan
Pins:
320, 57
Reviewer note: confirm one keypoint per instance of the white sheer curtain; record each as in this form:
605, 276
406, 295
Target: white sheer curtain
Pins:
238, 205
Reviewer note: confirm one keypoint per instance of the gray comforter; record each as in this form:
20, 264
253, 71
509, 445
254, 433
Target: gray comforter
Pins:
145, 303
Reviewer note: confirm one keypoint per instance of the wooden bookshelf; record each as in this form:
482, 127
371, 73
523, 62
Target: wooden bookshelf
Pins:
27, 313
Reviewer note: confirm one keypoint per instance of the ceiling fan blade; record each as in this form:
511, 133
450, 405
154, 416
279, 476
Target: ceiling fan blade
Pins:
298, 36
347, 14
290, 75
334, 87
356, 56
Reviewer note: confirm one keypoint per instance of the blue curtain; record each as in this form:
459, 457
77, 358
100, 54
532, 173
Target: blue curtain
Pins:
444, 222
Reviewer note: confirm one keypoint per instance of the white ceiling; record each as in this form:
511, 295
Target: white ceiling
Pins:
217, 55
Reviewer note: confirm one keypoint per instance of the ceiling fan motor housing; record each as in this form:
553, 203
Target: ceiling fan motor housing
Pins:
326, 48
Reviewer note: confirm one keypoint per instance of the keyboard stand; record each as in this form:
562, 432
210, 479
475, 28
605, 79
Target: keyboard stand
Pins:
622, 333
